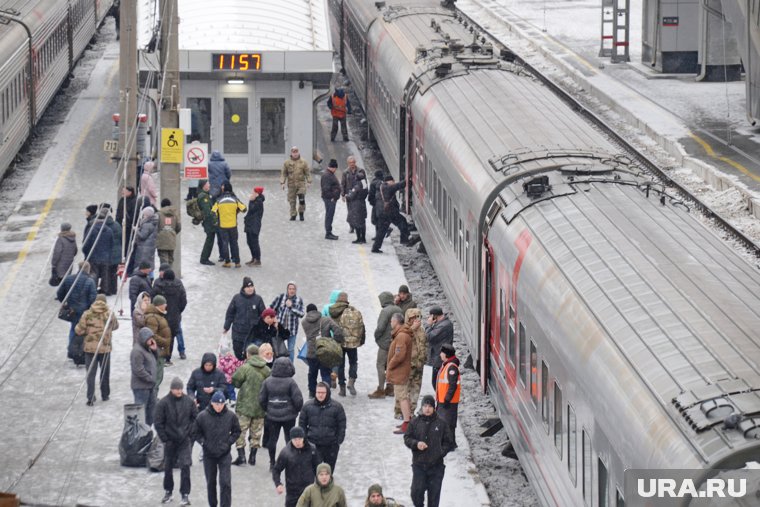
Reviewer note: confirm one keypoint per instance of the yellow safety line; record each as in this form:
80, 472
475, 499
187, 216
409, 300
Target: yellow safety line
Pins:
570, 51
96, 111
711, 153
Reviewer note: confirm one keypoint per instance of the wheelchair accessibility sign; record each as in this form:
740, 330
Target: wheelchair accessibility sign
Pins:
172, 141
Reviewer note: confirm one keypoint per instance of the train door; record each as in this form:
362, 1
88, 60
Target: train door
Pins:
236, 128
200, 100
488, 312
271, 129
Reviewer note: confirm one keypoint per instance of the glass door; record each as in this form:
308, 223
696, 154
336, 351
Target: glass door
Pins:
201, 120
236, 132
273, 132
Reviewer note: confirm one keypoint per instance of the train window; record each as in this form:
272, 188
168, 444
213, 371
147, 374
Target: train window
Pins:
603, 487
572, 445
522, 358
587, 468
533, 374
512, 346
445, 210
558, 418
460, 237
468, 254
545, 394
502, 322
619, 500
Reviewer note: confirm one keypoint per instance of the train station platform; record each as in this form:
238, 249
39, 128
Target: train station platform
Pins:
701, 126
73, 448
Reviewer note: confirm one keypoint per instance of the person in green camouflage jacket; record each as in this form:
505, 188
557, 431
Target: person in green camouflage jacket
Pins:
96, 322
249, 378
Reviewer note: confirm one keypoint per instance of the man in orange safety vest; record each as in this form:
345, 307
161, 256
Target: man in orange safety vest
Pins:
339, 105
448, 388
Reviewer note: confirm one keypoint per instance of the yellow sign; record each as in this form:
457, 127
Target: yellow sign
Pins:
172, 141
235, 118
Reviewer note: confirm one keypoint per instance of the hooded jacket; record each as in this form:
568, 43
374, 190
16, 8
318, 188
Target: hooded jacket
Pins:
218, 172
116, 246
280, 396
216, 431
323, 421
354, 188
333, 298
201, 379
174, 421
144, 364
83, 291
299, 465
99, 243
176, 300
145, 240
226, 207
92, 325
243, 313
248, 379
315, 325
168, 228
383, 329
156, 321
64, 252
419, 344
138, 283
138, 316
252, 220
317, 495
432, 430
400, 356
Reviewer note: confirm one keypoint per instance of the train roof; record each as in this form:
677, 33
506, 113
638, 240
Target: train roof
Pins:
254, 25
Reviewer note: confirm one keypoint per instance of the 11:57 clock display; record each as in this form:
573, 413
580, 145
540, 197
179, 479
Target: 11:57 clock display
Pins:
245, 62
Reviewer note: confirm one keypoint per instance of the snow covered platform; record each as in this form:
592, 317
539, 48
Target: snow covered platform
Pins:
692, 121
56, 450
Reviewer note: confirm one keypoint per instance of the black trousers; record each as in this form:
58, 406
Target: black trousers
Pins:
170, 456
100, 271
272, 434
113, 280
221, 466
329, 214
353, 359
229, 248
252, 238
239, 349
427, 478
329, 454
343, 128
104, 362
208, 246
382, 227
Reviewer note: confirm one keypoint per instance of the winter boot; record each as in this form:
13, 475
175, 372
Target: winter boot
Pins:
167, 497
388, 390
333, 380
300, 216
252, 457
185, 500
241, 457
377, 394
351, 388
402, 429
342, 391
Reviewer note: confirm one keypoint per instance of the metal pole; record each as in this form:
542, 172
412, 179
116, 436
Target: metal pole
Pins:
128, 89
170, 103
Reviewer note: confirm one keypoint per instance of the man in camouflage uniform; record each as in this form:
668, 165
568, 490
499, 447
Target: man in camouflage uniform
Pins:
210, 220
351, 321
413, 319
295, 171
97, 322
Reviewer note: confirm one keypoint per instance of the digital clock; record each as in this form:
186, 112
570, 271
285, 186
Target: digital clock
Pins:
245, 62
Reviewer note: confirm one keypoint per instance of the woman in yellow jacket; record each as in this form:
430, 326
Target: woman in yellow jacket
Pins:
227, 206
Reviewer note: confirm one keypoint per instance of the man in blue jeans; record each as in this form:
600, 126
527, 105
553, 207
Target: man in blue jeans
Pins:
290, 310
144, 363
330, 195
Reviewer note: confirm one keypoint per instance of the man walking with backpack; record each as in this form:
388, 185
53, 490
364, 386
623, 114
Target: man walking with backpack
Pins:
351, 321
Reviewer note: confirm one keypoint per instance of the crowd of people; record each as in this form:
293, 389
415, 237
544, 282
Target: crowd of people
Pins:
244, 393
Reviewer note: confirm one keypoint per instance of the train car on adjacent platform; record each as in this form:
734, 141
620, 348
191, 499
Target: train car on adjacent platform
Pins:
611, 328
40, 43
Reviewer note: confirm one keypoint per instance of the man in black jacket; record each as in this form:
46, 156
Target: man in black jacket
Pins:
281, 399
299, 460
138, 283
175, 417
173, 290
217, 429
205, 381
324, 421
242, 315
388, 212
330, 195
429, 438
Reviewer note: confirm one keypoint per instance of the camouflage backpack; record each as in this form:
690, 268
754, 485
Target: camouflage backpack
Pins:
352, 323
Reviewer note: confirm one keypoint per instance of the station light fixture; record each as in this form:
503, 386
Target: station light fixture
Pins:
235, 81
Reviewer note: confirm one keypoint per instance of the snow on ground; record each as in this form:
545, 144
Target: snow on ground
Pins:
56, 450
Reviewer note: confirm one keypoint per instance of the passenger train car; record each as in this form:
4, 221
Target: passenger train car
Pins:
612, 330
40, 42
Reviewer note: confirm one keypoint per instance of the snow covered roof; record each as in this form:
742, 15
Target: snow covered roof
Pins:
245, 25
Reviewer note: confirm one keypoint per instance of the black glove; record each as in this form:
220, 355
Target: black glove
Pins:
446, 404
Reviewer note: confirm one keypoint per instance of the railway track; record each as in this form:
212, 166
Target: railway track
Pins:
636, 155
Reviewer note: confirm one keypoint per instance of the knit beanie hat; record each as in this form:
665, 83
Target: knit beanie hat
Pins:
252, 350
448, 350
92, 209
176, 383
100, 297
428, 400
218, 398
297, 432
311, 307
159, 300
332, 163
65, 226
375, 488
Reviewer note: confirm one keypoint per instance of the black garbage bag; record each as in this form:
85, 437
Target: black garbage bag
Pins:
156, 455
136, 439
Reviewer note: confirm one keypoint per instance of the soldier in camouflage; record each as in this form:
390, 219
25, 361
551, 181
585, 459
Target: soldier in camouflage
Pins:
351, 321
295, 171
